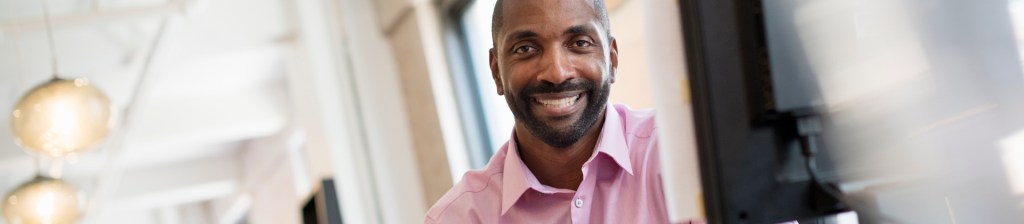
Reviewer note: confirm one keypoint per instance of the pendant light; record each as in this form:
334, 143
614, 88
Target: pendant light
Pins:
61, 117
43, 200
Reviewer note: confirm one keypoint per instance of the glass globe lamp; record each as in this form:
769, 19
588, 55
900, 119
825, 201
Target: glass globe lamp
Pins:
43, 200
61, 117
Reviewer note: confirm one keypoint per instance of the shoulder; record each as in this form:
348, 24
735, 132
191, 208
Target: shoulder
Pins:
641, 135
477, 194
636, 123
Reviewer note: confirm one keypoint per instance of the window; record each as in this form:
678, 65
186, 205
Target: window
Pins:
487, 119
476, 23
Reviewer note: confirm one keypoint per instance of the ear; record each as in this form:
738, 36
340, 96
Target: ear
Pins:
496, 73
614, 54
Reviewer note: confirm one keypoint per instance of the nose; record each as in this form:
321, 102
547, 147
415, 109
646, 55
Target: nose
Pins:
558, 68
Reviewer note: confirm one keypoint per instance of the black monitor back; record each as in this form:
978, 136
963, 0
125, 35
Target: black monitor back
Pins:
752, 168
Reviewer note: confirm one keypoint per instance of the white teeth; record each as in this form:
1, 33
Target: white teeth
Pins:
561, 102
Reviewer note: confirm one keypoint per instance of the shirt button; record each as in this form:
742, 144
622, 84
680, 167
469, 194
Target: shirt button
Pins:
578, 203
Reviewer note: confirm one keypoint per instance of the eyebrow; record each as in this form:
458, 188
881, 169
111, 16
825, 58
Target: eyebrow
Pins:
524, 34
519, 35
577, 29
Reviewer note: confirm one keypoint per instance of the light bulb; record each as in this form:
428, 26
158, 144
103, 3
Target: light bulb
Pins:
43, 200
62, 117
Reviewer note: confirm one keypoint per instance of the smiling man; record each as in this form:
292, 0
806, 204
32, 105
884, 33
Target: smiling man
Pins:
572, 157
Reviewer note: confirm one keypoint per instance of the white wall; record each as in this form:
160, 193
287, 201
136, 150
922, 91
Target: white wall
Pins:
633, 83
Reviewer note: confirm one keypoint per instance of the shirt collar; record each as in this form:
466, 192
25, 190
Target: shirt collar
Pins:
612, 141
517, 178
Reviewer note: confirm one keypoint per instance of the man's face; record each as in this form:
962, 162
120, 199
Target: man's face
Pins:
554, 63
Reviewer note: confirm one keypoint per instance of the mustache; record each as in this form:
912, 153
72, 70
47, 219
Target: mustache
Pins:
548, 87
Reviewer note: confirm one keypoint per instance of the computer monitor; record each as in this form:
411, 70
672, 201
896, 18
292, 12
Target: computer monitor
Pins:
904, 107
751, 162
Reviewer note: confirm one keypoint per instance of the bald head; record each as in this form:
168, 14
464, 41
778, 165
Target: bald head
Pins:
497, 21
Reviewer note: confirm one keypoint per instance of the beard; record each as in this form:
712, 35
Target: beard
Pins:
522, 105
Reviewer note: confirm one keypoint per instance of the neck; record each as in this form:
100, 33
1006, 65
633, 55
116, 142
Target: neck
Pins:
557, 167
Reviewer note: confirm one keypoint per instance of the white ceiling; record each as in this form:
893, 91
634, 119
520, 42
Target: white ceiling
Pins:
217, 82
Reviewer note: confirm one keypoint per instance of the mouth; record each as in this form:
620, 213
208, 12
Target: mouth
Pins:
558, 105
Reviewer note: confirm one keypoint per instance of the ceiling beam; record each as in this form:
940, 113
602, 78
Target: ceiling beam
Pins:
181, 183
94, 18
214, 124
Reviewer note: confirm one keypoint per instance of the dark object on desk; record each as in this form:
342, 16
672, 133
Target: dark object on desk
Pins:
322, 207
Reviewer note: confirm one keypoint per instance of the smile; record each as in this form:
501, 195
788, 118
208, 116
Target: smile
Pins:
559, 102
558, 105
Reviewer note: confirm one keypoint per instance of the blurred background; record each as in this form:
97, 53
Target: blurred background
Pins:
367, 111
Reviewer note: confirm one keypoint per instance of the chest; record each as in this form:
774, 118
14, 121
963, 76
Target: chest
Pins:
604, 196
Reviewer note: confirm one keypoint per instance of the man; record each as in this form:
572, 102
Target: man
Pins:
572, 158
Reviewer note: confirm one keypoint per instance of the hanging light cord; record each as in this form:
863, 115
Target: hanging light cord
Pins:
49, 36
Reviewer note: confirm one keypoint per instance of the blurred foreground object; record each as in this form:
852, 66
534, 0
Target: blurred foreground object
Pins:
905, 111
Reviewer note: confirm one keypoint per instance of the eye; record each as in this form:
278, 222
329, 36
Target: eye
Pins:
581, 43
523, 49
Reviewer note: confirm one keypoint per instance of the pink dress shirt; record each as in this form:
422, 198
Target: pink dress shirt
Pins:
621, 183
